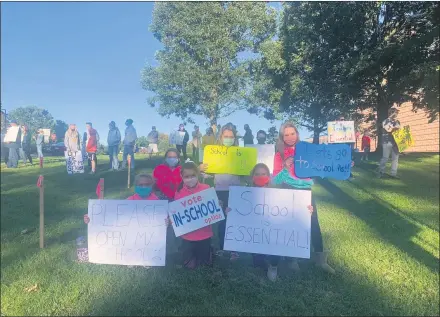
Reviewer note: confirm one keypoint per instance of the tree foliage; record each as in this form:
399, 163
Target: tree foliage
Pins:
60, 129
202, 69
142, 141
33, 117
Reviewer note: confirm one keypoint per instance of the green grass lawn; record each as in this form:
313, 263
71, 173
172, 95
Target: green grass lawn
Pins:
383, 235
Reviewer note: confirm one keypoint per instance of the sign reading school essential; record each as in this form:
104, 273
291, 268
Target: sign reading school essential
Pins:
194, 212
266, 154
330, 161
269, 221
341, 132
11, 134
127, 232
232, 160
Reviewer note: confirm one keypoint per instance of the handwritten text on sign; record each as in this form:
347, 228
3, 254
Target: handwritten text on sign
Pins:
331, 161
269, 221
341, 132
194, 212
229, 160
127, 232
266, 154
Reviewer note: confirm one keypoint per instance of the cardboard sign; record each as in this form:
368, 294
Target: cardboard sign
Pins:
74, 162
269, 221
266, 154
176, 137
127, 232
341, 132
11, 134
331, 161
194, 212
46, 134
232, 160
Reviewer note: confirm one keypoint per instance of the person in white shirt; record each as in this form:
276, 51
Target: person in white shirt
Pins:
389, 145
129, 143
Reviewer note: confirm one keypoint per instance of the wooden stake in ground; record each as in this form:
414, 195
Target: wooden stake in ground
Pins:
40, 184
129, 169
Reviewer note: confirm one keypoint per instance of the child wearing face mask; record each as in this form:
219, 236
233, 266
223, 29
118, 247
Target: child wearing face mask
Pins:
167, 175
284, 175
196, 245
144, 184
227, 138
260, 176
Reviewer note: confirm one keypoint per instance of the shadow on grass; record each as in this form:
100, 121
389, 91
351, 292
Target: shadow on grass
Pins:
389, 225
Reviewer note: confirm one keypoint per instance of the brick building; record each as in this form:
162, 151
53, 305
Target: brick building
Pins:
425, 135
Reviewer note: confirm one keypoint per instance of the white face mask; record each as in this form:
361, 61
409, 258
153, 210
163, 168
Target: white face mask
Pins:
190, 182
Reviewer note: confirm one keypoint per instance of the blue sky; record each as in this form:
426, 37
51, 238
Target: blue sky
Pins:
82, 62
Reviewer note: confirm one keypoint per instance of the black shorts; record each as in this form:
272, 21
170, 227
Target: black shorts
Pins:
196, 253
91, 156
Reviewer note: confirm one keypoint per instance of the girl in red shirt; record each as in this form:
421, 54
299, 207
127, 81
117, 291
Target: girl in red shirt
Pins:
284, 175
196, 245
366, 146
167, 175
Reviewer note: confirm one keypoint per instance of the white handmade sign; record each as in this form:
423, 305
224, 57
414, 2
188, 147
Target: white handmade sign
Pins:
341, 132
46, 134
176, 137
266, 154
269, 221
194, 212
11, 134
74, 162
127, 232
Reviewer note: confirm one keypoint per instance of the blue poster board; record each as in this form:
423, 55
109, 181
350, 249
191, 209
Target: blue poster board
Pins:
322, 160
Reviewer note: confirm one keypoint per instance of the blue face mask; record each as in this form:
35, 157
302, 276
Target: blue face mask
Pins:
172, 161
228, 142
143, 191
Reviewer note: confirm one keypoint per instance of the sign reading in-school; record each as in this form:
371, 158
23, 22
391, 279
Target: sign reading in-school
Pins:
330, 161
194, 212
341, 132
127, 232
229, 160
269, 221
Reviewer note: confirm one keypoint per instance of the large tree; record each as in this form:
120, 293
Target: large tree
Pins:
302, 74
60, 129
203, 67
400, 59
33, 117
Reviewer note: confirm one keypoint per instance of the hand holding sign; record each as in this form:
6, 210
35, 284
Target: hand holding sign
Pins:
333, 161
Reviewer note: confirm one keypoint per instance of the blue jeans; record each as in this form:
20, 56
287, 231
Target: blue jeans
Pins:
113, 155
40, 150
128, 150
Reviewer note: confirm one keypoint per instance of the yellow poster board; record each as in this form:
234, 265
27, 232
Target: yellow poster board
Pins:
229, 160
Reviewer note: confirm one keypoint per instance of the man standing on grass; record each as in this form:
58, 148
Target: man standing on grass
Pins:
389, 145
351, 145
153, 140
92, 145
113, 141
14, 146
129, 143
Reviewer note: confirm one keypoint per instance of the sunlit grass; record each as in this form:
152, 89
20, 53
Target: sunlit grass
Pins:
383, 236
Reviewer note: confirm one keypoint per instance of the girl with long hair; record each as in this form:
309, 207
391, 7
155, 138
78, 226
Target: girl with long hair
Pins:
284, 175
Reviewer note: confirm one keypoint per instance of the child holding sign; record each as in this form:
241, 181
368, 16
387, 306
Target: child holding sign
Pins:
284, 174
196, 245
143, 191
260, 176
227, 138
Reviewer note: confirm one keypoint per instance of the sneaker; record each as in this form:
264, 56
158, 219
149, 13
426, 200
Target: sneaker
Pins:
395, 176
220, 253
92, 173
272, 273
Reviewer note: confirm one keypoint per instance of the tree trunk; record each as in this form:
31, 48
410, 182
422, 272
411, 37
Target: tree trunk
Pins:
316, 132
382, 114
